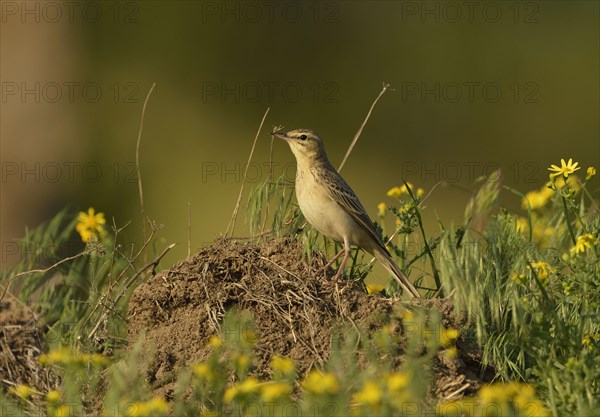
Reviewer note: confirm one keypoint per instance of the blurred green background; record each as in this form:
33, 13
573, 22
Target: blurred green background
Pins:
477, 86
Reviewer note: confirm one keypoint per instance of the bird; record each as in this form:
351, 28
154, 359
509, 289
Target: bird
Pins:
330, 206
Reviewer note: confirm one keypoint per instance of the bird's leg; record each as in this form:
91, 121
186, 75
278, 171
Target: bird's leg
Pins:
346, 255
340, 253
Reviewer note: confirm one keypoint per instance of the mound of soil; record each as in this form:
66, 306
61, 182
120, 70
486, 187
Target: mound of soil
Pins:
295, 305
21, 342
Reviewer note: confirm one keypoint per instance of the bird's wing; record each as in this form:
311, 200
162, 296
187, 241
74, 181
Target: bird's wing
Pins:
345, 197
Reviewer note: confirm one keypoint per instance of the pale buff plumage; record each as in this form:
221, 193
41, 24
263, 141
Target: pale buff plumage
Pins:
329, 204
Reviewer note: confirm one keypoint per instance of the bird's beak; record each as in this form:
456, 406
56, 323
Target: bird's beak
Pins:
281, 135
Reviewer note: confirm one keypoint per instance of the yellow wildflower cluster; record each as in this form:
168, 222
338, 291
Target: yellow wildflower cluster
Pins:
370, 394
90, 224
542, 233
156, 406
204, 371
65, 356
448, 336
381, 209
391, 389
23, 391
537, 199
584, 243
321, 383
245, 388
542, 269
273, 391
591, 341
508, 400
61, 411
397, 192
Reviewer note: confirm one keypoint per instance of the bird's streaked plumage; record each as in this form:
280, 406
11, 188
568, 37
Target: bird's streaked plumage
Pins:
330, 205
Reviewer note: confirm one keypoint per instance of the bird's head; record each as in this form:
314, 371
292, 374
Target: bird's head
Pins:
304, 143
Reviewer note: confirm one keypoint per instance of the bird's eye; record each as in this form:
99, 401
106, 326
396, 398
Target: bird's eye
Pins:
303, 137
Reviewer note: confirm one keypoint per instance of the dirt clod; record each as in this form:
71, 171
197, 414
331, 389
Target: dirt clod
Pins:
295, 304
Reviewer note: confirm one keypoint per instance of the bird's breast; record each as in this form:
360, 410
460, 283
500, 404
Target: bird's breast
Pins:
320, 209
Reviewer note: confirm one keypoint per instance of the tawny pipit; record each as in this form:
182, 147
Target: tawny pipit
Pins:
330, 205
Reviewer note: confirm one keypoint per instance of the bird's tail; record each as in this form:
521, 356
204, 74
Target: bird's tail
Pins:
388, 263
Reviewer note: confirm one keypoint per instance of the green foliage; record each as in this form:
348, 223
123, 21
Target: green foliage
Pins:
533, 296
80, 290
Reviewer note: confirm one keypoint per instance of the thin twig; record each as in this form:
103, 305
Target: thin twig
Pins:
41, 271
126, 286
231, 225
110, 288
189, 230
137, 161
362, 126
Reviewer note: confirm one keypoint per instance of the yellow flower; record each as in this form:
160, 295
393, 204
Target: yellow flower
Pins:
537, 199
504, 397
420, 192
518, 278
565, 168
591, 171
23, 391
155, 405
215, 341
451, 353
381, 209
394, 192
584, 242
542, 235
374, 288
53, 396
448, 336
56, 356
397, 381
90, 225
542, 269
572, 182
247, 387
521, 224
321, 383
369, 394
272, 391
397, 192
408, 315
203, 370
284, 365
63, 411
589, 341
243, 361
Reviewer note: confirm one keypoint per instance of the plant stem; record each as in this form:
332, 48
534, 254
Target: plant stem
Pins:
564, 200
436, 275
